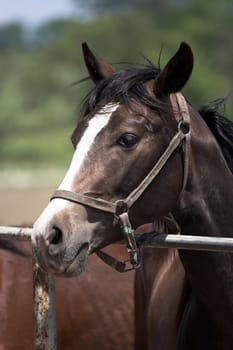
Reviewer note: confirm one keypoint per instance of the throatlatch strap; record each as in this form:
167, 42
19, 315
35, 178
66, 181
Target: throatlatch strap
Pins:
116, 264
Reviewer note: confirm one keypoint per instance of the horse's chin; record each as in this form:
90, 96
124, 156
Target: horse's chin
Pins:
73, 264
78, 264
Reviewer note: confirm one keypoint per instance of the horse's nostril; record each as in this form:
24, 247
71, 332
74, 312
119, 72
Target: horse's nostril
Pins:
56, 236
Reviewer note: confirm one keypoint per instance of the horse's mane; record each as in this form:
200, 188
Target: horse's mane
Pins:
123, 86
221, 127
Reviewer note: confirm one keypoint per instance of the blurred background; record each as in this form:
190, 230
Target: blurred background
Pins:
40, 59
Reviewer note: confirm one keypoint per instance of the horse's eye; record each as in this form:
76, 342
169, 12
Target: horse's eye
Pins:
127, 140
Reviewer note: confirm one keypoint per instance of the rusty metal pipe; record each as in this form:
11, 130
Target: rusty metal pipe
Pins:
44, 309
15, 233
43, 293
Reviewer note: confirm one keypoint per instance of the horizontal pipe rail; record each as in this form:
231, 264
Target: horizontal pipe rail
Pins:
160, 240
16, 233
214, 244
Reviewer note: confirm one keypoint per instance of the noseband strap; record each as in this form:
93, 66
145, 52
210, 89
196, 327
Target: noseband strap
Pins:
79, 198
121, 207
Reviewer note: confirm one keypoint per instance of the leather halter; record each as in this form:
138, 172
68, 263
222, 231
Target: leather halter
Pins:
121, 207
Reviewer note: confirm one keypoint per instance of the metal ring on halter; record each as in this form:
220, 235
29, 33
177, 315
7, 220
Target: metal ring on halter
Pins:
184, 127
121, 207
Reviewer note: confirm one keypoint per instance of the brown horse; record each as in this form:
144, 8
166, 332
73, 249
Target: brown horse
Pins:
87, 317
136, 123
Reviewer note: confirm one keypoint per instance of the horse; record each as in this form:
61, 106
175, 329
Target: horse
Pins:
86, 314
142, 152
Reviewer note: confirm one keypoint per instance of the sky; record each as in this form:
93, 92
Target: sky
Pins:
34, 12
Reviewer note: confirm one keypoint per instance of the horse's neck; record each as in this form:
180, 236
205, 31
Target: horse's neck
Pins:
205, 205
206, 209
160, 297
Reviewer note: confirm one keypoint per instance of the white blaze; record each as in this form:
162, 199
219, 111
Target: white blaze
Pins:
95, 125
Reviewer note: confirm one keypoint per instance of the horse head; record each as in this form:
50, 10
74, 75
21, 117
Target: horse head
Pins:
130, 118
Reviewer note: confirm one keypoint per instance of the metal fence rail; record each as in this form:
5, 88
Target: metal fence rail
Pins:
43, 284
214, 244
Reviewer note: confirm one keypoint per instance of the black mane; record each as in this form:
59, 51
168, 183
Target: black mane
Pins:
221, 127
123, 86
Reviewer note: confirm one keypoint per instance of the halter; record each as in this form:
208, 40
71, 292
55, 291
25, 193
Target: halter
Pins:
121, 207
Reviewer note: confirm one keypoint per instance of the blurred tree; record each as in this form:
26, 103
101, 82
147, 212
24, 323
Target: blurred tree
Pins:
51, 31
111, 6
12, 36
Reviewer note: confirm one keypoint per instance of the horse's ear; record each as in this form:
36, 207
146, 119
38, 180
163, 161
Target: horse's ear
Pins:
176, 73
97, 68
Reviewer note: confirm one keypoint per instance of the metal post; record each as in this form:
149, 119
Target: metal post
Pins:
44, 309
43, 293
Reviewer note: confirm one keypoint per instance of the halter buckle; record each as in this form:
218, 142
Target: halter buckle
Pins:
131, 245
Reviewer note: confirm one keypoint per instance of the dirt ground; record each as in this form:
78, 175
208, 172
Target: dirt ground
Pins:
21, 206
